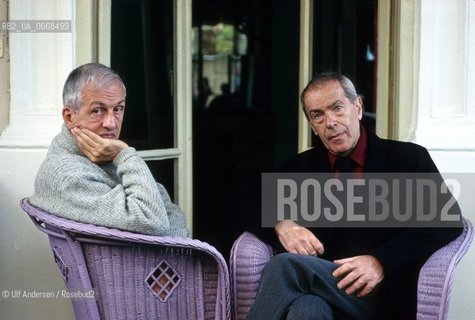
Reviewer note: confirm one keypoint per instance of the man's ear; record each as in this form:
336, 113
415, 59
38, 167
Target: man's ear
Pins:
359, 107
67, 116
314, 131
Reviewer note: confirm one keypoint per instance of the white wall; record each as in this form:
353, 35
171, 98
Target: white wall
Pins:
26, 262
39, 64
445, 105
4, 71
461, 164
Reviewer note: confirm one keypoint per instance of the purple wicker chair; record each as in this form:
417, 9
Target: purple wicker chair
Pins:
249, 255
135, 276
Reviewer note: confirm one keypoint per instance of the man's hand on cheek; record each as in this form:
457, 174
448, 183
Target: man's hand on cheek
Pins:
96, 148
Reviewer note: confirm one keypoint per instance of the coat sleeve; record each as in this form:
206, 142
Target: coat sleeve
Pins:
409, 248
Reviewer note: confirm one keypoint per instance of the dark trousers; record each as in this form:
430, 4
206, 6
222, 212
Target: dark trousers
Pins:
302, 287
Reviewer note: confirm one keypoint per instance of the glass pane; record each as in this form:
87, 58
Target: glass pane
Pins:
345, 41
218, 52
142, 53
245, 107
164, 172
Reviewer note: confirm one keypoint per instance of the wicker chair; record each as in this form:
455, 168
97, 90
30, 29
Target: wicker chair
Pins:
124, 275
249, 255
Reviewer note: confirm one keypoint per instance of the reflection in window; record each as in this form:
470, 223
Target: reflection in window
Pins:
245, 89
345, 38
218, 53
142, 53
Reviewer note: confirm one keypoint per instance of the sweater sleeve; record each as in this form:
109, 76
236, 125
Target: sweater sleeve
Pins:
75, 188
175, 214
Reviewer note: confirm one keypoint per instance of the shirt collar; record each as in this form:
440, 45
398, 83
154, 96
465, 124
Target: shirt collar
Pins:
358, 154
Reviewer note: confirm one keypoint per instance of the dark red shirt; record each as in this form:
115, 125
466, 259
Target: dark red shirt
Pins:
358, 154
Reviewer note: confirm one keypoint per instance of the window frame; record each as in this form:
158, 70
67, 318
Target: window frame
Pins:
93, 43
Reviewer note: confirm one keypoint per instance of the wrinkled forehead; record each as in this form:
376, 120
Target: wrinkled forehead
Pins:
327, 92
111, 94
114, 87
103, 86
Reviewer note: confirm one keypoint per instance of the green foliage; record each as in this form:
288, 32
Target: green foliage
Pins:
224, 40
218, 39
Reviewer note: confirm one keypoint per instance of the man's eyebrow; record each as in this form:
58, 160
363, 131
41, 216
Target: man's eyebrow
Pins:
337, 102
331, 105
102, 104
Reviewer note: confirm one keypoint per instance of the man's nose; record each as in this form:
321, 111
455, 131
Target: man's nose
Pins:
330, 119
109, 120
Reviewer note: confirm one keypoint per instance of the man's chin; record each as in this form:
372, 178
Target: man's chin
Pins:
340, 151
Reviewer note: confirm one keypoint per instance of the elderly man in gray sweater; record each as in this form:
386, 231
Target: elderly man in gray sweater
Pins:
91, 176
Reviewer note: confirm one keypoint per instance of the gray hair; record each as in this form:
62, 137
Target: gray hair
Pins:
90, 74
321, 79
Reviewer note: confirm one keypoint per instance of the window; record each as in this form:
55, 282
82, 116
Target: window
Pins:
145, 39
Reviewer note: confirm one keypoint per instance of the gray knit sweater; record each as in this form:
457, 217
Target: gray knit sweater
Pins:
122, 194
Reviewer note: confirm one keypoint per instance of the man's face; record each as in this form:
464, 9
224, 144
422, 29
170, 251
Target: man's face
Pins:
333, 117
101, 111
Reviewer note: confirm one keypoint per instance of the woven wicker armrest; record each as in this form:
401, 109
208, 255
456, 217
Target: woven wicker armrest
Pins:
249, 255
437, 274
